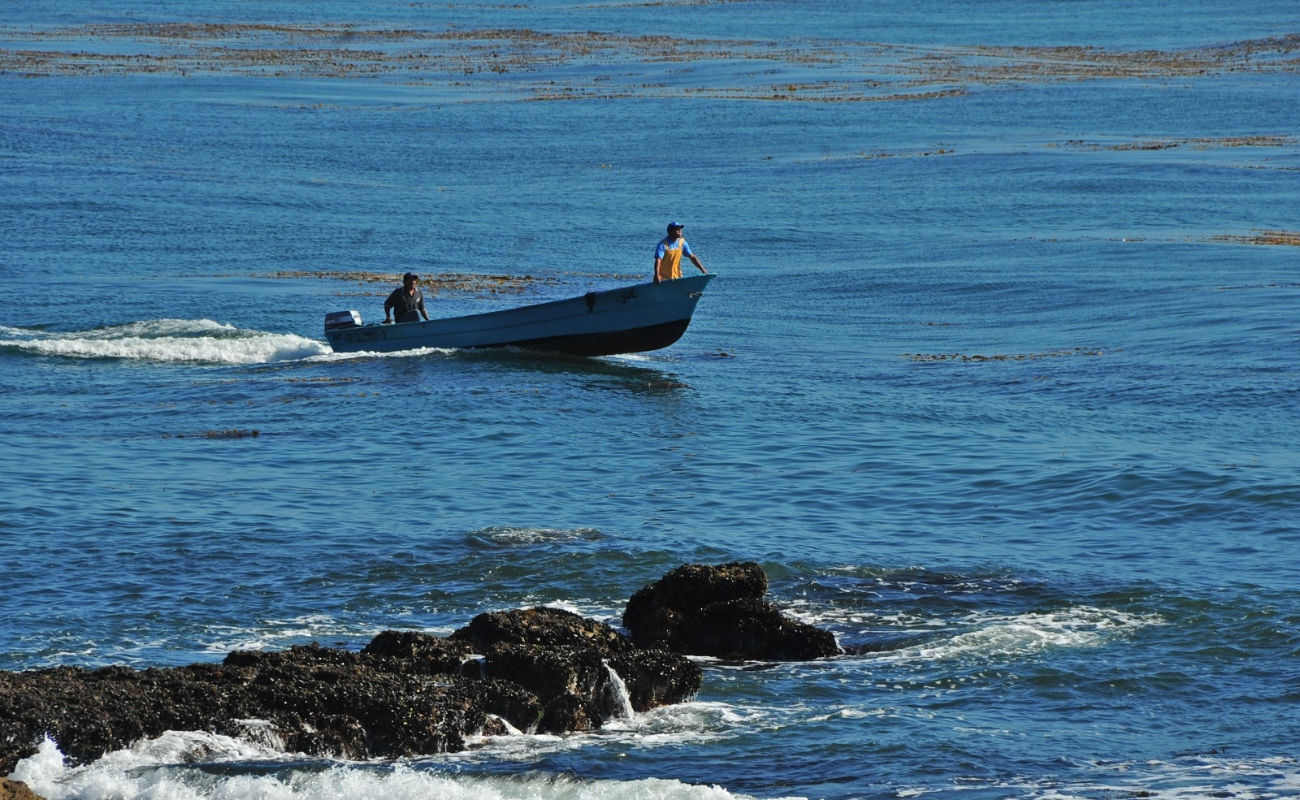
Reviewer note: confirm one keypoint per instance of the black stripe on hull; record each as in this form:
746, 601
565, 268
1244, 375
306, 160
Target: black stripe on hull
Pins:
636, 340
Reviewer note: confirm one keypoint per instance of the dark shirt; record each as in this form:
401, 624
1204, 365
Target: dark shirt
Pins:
406, 307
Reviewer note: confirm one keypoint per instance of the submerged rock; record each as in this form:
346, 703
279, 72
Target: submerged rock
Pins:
720, 611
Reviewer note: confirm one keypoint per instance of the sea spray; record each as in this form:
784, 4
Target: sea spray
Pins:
261, 733
150, 769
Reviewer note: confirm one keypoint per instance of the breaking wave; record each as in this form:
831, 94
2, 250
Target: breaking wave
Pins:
167, 768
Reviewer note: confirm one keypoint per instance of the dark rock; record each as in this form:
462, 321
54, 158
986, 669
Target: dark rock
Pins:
421, 652
655, 612
496, 726
692, 587
719, 611
552, 672
656, 678
572, 713
753, 629
552, 627
558, 668
317, 701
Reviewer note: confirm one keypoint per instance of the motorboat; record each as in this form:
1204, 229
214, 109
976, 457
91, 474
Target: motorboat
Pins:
631, 319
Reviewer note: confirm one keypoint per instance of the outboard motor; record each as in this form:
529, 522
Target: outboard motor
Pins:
336, 320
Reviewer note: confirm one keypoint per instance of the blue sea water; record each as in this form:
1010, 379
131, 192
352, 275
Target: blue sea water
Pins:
999, 378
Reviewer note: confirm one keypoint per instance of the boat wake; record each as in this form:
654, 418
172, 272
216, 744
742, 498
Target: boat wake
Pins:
166, 340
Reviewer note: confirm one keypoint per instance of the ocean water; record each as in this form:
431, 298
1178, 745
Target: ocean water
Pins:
999, 379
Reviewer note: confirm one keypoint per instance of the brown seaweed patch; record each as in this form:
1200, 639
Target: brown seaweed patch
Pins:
990, 65
229, 433
821, 92
863, 155
1193, 143
933, 357
1259, 286
333, 51
606, 275
538, 65
904, 96
1261, 236
226, 31
430, 283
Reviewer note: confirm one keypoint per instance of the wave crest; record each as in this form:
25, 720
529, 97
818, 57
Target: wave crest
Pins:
162, 768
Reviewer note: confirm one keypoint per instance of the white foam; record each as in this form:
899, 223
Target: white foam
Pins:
159, 770
1189, 778
42, 768
511, 535
666, 726
167, 340
853, 616
143, 329
126, 773
999, 637
330, 355
278, 634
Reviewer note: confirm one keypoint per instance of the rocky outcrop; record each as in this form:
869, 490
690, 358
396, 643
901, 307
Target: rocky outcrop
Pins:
316, 700
720, 611
573, 680
408, 693
405, 694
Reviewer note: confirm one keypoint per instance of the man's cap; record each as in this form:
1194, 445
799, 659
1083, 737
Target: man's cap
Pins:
675, 225
410, 276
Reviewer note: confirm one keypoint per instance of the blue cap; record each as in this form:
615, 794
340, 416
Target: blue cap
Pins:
675, 224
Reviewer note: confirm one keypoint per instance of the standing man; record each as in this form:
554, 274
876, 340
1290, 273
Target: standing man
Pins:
668, 255
407, 302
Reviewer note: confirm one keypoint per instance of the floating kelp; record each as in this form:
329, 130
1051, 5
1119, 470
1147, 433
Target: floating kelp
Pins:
1261, 236
431, 283
931, 357
229, 433
525, 64
1190, 143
